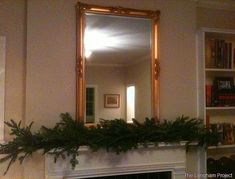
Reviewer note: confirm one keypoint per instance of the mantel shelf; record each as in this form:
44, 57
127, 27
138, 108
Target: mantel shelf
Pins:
165, 157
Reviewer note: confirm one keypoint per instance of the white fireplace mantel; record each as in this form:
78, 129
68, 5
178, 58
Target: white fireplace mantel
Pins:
164, 157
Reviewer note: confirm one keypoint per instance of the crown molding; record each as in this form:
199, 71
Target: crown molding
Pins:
216, 4
217, 30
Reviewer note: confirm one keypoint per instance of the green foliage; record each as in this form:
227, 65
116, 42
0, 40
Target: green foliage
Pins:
113, 135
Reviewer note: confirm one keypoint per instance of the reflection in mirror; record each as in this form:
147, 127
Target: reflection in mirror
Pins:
118, 62
2, 84
117, 65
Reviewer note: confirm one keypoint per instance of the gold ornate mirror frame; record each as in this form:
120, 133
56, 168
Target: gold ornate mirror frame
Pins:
81, 10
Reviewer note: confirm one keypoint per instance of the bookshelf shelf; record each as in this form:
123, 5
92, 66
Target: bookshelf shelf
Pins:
221, 147
221, 108
219, 70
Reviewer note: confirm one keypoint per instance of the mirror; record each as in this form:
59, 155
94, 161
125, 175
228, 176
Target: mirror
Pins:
117, 64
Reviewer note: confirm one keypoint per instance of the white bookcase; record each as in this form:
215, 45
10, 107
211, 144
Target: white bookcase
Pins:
207, 70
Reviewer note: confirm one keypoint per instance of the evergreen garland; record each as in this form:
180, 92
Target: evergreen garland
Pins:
113, 135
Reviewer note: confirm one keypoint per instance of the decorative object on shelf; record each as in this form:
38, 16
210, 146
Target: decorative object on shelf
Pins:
225, 131
113, 135
228, 134
221, 93
224, 83
112, 100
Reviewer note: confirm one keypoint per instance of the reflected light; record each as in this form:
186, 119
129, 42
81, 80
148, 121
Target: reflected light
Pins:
88, 53
98, 39
130, 103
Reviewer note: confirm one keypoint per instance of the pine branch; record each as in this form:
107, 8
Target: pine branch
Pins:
65, 138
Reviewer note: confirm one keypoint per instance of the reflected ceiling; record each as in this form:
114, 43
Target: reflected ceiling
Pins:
116, 40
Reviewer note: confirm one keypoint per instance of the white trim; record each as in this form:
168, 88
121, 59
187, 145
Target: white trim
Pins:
202, 162
127, 86
217, 30
2, 85
176, 168
153, 145
220, 108
201, 113
170, 157
219, 70
197, 74
221, 147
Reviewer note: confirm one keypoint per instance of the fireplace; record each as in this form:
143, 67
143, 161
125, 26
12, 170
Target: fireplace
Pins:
154, 175
168, 160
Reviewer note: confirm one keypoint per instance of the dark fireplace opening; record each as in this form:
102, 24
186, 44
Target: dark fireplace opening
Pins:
153, 175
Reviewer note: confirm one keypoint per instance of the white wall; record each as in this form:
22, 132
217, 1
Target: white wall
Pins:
114, 80
214, 18
12, 26
139, 74
51, 44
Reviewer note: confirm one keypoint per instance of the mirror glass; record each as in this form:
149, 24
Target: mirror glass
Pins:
117, 67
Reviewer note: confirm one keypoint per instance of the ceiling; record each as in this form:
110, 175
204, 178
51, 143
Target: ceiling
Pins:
117, 40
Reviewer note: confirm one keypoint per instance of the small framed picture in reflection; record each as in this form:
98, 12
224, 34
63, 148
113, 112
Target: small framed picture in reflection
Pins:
112, 100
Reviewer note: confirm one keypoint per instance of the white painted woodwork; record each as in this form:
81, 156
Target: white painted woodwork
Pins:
165, 157
203, 74
2, 85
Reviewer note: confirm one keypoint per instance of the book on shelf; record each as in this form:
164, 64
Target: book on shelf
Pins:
208, 95
221, 53
229, 54
225, 99
233, 57
234, 132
